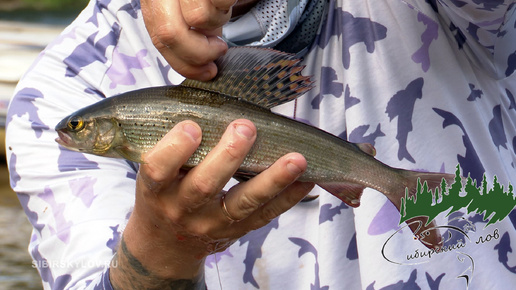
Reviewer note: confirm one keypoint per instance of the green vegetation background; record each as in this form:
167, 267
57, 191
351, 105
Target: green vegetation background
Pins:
48, 11
55, 4
42, 5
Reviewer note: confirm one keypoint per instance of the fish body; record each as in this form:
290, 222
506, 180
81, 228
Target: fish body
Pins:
130, 124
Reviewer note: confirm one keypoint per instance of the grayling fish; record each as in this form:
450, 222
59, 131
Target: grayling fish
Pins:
249, 83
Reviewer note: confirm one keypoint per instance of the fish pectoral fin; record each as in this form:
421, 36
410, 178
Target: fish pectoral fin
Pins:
348, 192
129, 154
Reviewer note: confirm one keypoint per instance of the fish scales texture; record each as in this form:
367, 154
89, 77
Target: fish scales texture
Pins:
330, 158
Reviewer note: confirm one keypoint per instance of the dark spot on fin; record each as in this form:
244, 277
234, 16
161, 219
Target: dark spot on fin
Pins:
349, 193
262, 76
367, 148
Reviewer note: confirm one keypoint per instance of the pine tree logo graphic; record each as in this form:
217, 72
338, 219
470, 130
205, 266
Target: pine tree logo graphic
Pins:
494, 203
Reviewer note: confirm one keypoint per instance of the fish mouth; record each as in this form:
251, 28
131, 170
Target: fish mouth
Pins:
63, 139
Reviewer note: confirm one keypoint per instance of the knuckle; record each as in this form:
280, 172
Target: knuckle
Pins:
208, 230
203, 186
198, 18
152, 178
166, 36
175, 217
269, 213
206, 17
247, 204
233, 151
201, 229
197, 59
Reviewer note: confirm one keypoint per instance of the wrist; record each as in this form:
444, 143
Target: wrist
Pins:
150, 256
127, 272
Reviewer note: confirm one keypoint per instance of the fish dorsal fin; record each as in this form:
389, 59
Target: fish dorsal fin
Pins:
262, 76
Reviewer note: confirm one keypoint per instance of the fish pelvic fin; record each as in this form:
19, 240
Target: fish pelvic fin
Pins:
367, 148
349, 193
262, 76
424, 228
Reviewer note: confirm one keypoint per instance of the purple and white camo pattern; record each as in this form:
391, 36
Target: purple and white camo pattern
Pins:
430, 83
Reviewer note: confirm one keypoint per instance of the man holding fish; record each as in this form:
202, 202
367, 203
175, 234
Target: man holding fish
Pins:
443, 70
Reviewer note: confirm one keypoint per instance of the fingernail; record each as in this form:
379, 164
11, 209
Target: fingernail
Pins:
244, 131
192, 130
293, 169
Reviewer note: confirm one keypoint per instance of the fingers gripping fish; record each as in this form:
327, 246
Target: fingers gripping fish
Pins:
250, 82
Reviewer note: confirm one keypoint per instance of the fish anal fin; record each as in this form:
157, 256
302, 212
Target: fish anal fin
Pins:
349, 193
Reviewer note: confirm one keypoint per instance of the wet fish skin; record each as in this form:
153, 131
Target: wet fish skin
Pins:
128, 125
134, 122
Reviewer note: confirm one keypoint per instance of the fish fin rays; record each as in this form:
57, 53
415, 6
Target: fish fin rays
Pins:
262, 76
349, 193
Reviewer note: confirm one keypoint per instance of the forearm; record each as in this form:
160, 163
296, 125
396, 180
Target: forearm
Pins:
127, 272
143, 261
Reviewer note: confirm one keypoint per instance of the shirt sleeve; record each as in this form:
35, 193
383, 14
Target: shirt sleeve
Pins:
78, 204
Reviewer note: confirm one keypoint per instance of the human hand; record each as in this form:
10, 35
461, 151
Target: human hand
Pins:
187, 33
178, 219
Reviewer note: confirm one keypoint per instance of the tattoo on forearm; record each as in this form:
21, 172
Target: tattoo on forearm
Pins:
133, 262
131, 274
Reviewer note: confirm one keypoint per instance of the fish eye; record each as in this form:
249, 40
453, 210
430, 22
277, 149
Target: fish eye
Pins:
75, 123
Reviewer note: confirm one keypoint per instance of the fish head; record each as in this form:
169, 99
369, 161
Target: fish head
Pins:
87, 134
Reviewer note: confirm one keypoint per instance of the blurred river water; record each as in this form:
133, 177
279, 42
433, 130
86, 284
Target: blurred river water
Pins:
16, 271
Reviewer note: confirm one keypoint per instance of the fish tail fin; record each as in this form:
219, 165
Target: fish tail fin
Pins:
423, 227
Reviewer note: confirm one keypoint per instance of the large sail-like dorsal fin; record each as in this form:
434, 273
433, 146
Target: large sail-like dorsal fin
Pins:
262, 76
